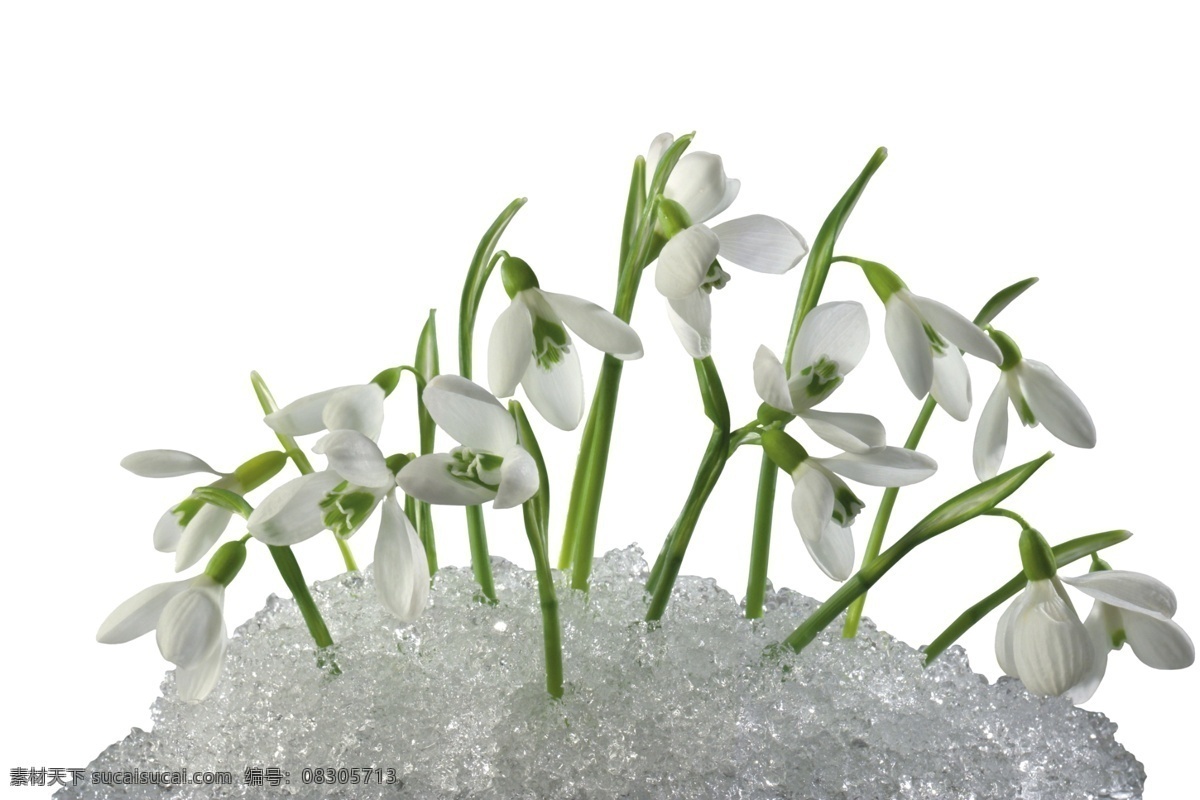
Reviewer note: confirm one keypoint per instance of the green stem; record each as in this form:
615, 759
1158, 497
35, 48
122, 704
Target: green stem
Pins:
1064, 554
760, 546
1014, 516
548, 598
884, 515
267, 401
289, 568
481, 562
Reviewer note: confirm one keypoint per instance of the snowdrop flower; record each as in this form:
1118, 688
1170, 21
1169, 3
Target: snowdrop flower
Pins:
530, 345
1135, 608
489, 465
688, 271
1039, 396
356, 408
340, 498
830, 343
401, 567
190, 528
698, 182
188, 616
1039, 638
824, 507
925, 337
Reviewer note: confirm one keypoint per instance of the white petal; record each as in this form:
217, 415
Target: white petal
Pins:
698, 183
992, 434
1054, 405
1129, 590
685, 260
201, 534
691, 317
854, 433
518, 479
770, 381
906, 339
470, 414
1051, 647
557, 393
139, 614
883, 466
510, 348
167, 532
302, 416
658, 147
1098, 634
956, 328
401, 567
194, 683
192, 624
356, 408
833, 552
761, 243
428, 478
829, 544
601, 329
835, 332
1159, 643
951, 386
165, 464
356, 458
1005, 633
292, 513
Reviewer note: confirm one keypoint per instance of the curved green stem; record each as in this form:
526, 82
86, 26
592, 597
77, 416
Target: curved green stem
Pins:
481, 560
1014, 516
289, 568
547, 598
1064, 554
760, 545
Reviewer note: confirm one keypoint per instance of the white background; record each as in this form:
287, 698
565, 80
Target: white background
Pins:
189, 194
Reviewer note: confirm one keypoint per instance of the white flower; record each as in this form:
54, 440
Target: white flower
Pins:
687, 269
401, 566
925, 337
189, 618
1039, 396
489, 466
698, 182
340, 498
357, 408
1041, 641
190, 528
824, 507
530, 346
1135, 608
830, 344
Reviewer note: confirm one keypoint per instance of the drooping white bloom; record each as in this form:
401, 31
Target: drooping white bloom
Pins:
340, 498
189, 619
188, 529
530, 346
490, 464
925, 337
830, 343
698, 182
1041, 641
824, 507
1134, 608
356, 408
1039, 396
401, 567
688, 270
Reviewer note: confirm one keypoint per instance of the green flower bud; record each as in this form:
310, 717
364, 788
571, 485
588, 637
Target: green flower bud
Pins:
225, 564
517, 276
259, 470
785, 451
1036, 556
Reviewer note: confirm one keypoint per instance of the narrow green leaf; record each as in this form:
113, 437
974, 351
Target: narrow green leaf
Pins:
634, 207
477, 274
1000, 301
1064, 554
975, 501
716, 408
223, 498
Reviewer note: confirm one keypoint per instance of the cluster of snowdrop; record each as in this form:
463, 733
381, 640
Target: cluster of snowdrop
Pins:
1040, 638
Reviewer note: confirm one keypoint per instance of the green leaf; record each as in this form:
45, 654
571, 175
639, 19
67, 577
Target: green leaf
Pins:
975, 501
223, 498
716, 408
477, 274
667, 163
1064, 554
1000, 301
634, 206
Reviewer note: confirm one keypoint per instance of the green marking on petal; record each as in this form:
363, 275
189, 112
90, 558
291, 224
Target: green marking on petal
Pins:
823, 377
846, 505
715, 278
550, 341
347, 507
